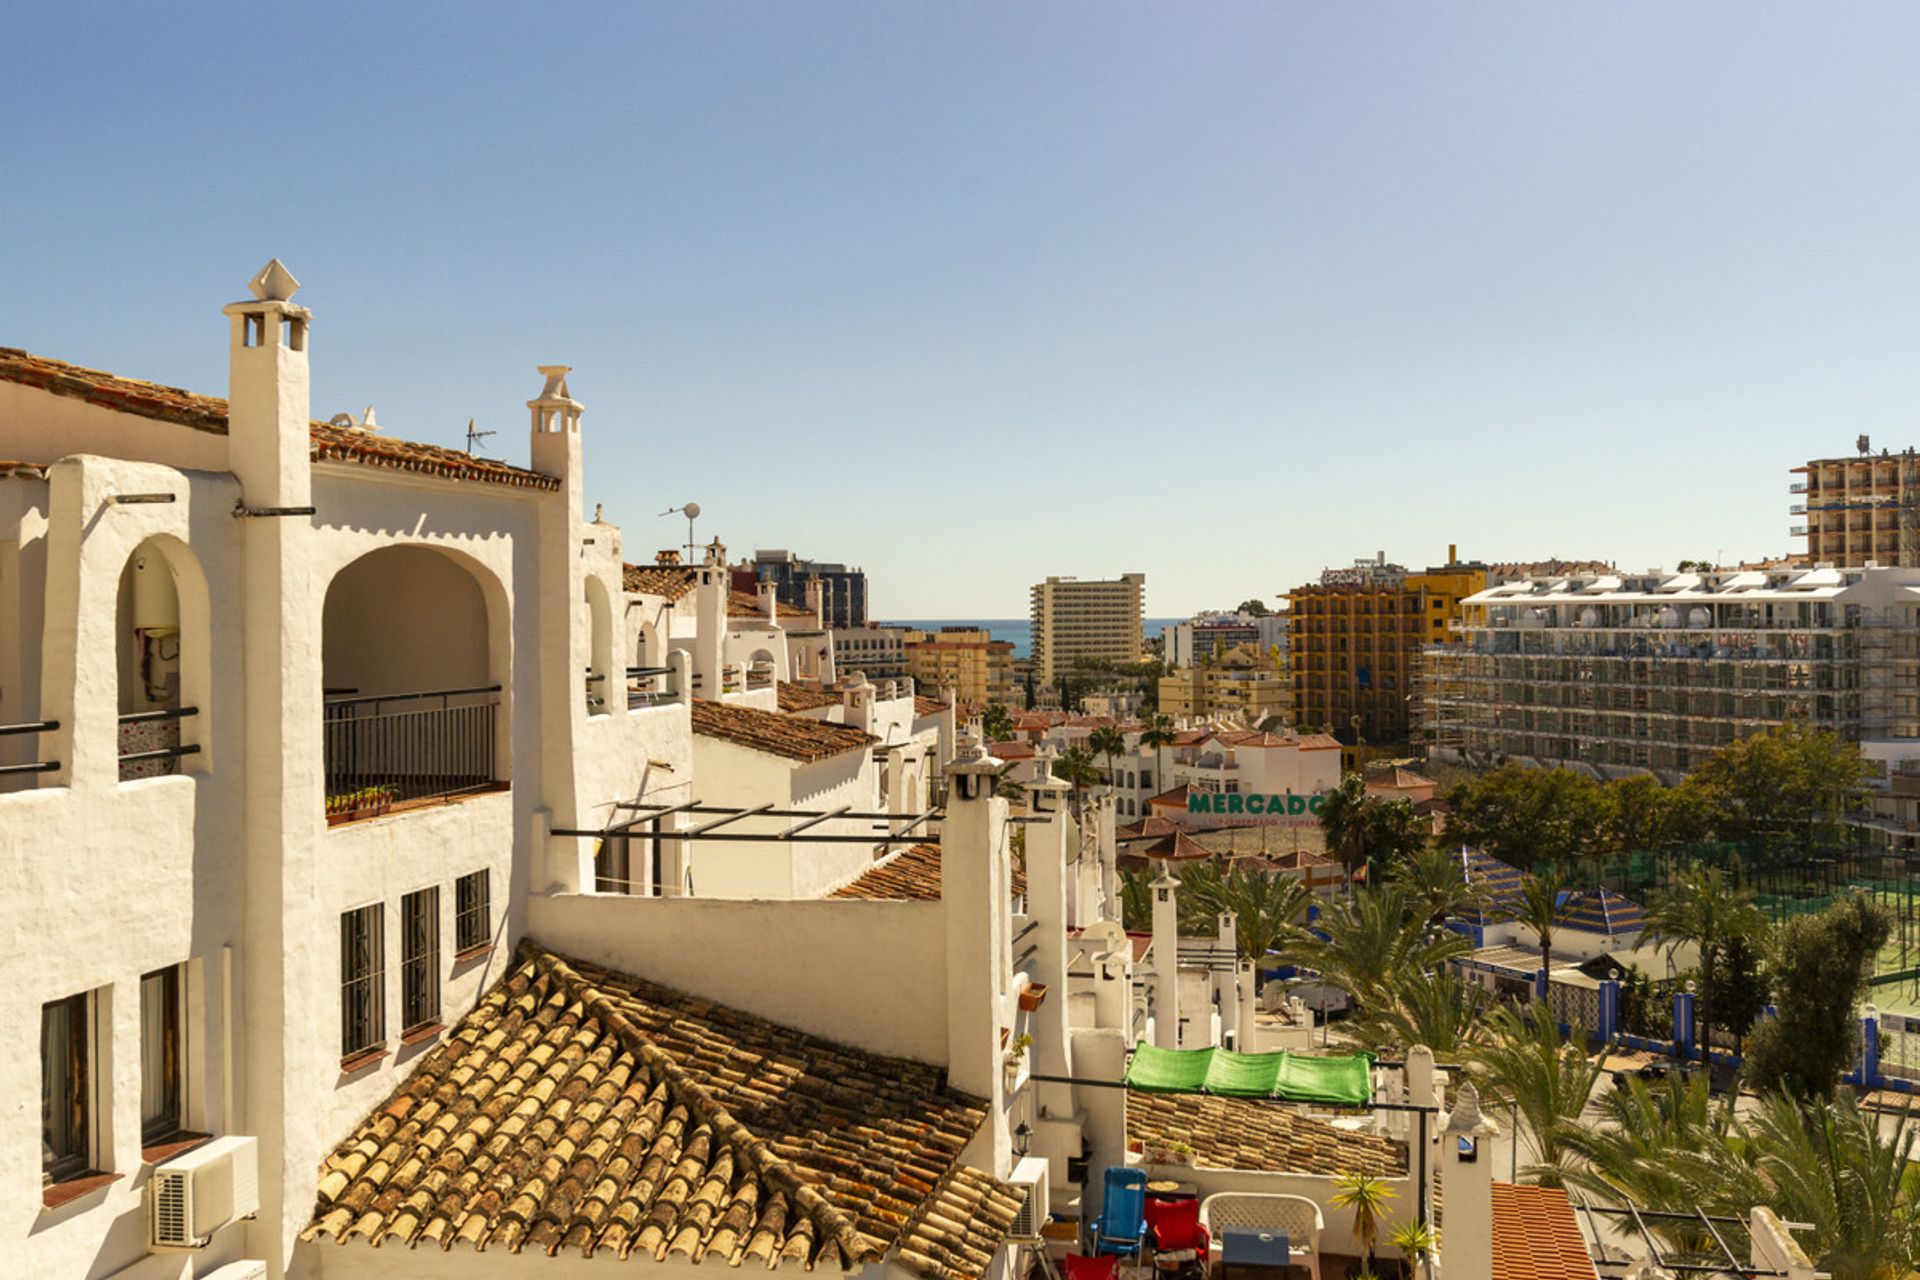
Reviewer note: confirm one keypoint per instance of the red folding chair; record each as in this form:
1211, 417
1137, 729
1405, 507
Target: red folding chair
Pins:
1179, 1241
1080, 1267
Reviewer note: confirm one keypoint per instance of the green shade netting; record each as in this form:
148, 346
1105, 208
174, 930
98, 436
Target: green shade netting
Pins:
1344, 1081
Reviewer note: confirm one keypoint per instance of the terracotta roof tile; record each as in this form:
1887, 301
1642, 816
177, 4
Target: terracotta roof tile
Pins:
209, 414
577, 1108
668, 580
1319, 742
1177, 795
913, 875
1148, 828
794, 737
925, 706
1010, 750
1536, 1236
745, 604
794, 697
1229, 1133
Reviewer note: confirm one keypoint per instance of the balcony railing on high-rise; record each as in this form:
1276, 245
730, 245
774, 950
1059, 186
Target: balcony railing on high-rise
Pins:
393, 748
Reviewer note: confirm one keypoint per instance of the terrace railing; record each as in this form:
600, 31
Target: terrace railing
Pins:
27, 768
393, 748
651, 686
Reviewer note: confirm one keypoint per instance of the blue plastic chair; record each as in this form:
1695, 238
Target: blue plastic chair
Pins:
1122, 1224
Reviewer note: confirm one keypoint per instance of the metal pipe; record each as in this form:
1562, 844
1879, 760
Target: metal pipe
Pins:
38, 726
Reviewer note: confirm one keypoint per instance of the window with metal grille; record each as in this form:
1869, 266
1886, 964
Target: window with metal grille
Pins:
419, 958
66, 1089
363, 980
160, 1049
472, 912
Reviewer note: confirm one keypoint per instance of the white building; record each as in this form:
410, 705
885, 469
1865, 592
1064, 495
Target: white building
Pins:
1214, 632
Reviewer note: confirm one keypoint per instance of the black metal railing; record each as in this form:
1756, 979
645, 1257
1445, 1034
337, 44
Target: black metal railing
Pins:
392, 748
651, 686
30, 766
150, 744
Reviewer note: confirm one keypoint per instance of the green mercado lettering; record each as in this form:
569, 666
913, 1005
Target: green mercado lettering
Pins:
1234, 802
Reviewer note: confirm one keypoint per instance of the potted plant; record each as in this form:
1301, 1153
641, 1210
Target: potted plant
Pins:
1367, 1195
1016, 1054
1417, 1242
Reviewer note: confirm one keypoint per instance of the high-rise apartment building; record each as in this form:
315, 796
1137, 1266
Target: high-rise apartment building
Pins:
967, 660
1860, 510
1076, 618
1622, 674
843, 591
1356, 637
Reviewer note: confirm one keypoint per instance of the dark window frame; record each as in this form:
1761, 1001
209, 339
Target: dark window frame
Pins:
74, 1155
419, 959
363, 979
169, 1117
472, 911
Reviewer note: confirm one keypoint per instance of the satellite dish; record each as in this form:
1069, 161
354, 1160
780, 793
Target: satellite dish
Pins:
692, 510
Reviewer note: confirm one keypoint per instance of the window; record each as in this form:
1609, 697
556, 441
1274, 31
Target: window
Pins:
472, 918
420, 958
160, 1054
66, 1088
363, 980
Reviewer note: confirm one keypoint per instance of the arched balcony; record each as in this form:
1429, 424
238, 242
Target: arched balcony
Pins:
162, 661
416, 662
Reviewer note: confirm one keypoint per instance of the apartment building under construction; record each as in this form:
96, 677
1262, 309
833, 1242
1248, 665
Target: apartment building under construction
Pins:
1860, 510
1623, 674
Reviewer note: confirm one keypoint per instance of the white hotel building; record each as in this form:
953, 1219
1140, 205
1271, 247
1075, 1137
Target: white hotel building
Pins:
400, 884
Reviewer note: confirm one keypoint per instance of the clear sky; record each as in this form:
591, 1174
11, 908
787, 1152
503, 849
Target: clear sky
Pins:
968, 294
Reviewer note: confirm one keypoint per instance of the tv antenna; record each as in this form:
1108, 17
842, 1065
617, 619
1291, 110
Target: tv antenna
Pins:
475, 437
692, 512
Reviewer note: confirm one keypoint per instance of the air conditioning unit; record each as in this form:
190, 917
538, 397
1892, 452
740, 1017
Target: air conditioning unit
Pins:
196, 1194
1029, 1181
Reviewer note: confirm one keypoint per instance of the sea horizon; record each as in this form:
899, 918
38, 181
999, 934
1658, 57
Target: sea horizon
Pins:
1017, 630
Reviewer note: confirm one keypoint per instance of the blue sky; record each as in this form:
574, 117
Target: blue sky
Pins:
972, 293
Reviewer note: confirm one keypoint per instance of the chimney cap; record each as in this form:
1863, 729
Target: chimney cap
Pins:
273, 282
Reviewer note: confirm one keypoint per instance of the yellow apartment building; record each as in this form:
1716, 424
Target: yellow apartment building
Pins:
968, 660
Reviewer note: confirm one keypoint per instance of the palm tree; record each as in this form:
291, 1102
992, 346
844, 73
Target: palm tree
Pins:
1367, 1195
1547, 1078
1344, 820
1156, 733
1442, 1011
1632, 1150
1075, 767
1136, 900
1714, 911
996, 723
1538, 906
1371, 942
1265, 905
1109, 742
1436, 876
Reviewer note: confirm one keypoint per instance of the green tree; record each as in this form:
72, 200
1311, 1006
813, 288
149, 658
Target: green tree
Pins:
1266, 905
1255, 607
1436, 877
1540, 906
1075, 767
1643, 815
1394, 831
1136, 900
1442, 1011
1157, 734
1711, 909
1525, 817
1374, 941
1108, 741
996, 723
1793, 782
1820, 965
1545, 1076
1743, 989
1630, 1152
1346, 824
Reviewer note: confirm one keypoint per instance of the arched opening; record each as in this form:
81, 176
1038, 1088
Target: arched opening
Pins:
415, 656
761, 669
162, 663
648, 677
600, 685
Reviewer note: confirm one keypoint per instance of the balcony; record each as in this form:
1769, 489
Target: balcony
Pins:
651, 687
150, 743
22, 760
397, 749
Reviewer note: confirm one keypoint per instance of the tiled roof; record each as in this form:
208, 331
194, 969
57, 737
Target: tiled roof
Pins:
668, 580
1010, 750
1176, 796
576, 1108
1191, 737
1254, 738
209, 413
745, 604
1536, 1236
1500, 881
794, 737
1230, 1133
912, 875
1319, 742
1399, 779
1604, 912
794, 697
1148, 828
925, 706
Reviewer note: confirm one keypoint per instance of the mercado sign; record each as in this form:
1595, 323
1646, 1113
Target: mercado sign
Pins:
1232, 802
